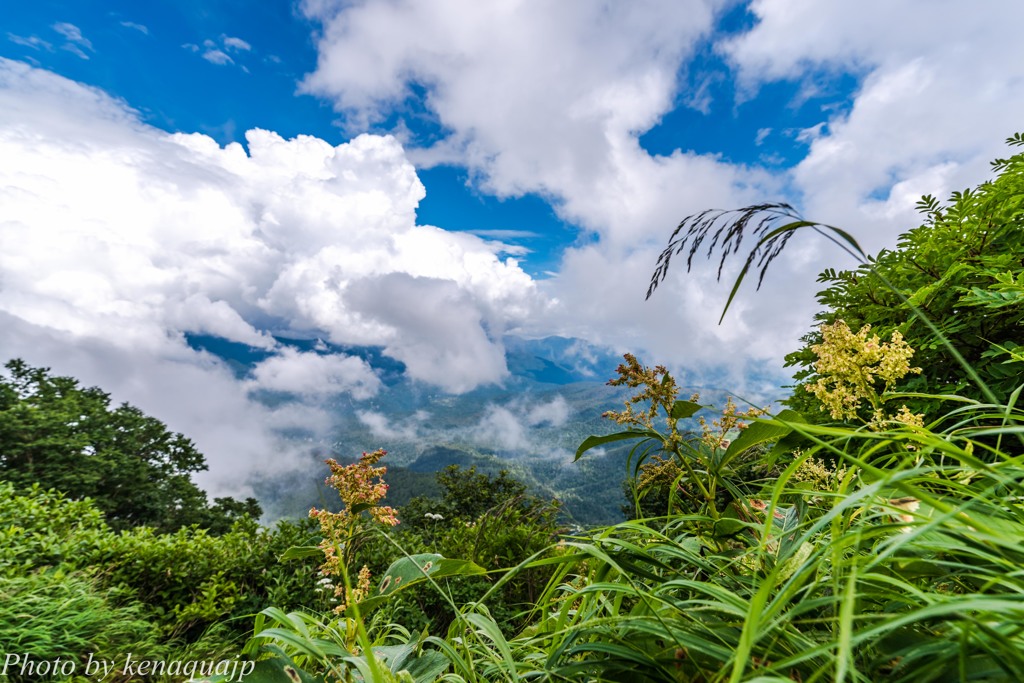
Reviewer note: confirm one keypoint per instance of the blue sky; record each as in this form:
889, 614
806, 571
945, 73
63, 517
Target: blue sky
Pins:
428, 177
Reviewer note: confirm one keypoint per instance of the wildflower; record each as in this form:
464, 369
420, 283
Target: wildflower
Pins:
714, 435
818, 474
361, 484
659, 387
359, 592
850, 365
361, 487
908, 418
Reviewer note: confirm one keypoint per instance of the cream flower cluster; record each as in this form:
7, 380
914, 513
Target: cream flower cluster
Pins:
361, 488
851, 365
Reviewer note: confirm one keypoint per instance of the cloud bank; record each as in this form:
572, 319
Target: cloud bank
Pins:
548, 100
121, 239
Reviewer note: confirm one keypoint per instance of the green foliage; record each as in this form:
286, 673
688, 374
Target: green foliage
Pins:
888, 568
61, 436
962, 269
845, 581
407, 571
190, 579
466, 495
53, 614
280, 669
190, 588
489, 520
40, 529
304, 647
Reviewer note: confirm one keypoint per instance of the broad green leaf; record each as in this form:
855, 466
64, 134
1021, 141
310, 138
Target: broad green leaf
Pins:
684, 409
425, 666
763, 431
408, 571
276, 670
297, 552
795, 561
729, 526
785, 520
595, 441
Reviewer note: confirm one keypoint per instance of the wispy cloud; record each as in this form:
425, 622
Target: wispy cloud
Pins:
75, 43
72, 33
500, 234
386, 427
511, 426
34, 42
235, 43
141, 28
217, 51
217, 57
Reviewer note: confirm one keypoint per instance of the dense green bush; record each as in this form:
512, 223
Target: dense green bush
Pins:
962, 269
40, 529
72, 586
53, 614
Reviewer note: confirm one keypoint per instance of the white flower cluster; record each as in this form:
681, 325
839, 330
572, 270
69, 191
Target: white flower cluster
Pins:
326, 585
434, 516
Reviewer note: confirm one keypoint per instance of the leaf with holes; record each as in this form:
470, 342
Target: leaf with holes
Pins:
408, 571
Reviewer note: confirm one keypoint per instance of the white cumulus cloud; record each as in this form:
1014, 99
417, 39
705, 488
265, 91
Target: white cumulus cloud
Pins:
315, 375
552, 100
121, 239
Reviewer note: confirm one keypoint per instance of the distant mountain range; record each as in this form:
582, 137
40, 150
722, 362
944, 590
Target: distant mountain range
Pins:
530, 425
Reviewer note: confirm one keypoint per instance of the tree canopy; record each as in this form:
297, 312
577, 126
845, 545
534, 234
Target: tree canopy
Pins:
59, 435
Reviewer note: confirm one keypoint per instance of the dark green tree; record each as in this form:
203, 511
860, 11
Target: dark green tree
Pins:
59, 435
